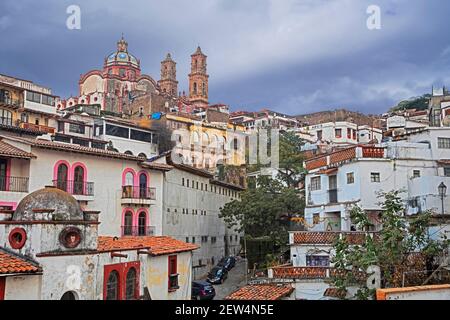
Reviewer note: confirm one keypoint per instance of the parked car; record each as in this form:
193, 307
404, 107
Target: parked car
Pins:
217, 275
202, 290
227, 262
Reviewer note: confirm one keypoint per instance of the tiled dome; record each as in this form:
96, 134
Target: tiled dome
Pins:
122, 56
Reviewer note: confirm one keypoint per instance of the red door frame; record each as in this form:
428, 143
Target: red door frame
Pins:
2, 287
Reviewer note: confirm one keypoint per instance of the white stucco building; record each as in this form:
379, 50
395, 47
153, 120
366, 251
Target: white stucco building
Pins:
50, 249
192, 200
417, 165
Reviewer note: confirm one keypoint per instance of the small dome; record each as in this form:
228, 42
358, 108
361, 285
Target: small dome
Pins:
122, 56
65, 206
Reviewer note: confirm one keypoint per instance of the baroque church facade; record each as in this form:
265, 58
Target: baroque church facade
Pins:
121, 88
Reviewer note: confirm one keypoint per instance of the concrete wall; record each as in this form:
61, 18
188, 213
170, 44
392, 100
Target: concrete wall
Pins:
106, 173
436, 292
23, 287
84, 276
185, 226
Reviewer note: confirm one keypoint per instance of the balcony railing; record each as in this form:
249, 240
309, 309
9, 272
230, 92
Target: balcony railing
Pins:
318, 273
81, 188
133, 192
372, 152
138, 231
328, 238
9, 102
13, 184
37, 127
6, 121
333, 196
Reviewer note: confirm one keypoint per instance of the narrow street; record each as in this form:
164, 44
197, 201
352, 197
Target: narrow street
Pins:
236, 280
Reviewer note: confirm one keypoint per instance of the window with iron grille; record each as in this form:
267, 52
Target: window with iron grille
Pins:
444, 143
173, 275
317, 261
416, 173
447, 171
315, 184
112, 286
350, 178
375, 177
131, 288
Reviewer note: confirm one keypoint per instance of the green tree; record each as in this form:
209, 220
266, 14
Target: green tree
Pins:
291, 169
264, 211
391, 250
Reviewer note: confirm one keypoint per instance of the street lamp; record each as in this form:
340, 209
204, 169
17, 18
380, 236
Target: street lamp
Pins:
442, 193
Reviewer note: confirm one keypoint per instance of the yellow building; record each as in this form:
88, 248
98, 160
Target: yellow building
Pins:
205, 145
26, 105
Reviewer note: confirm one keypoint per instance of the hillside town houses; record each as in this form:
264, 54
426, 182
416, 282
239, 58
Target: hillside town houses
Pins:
116, 193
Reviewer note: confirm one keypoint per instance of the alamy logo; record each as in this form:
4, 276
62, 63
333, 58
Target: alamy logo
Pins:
73, 21
374, 19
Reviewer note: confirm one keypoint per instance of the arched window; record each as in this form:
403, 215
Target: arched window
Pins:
195, 88
62, 176
112, 286
142, 224
205, 139
131, 287
69, 295
129, 178
142, 155
143, 190
128, 183
128, 223
5, 117
235, 144
78, 180
204, 89
128, 152
195, 139
214, 141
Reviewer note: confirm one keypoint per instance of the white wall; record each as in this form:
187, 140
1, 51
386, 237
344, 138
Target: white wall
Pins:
181, 226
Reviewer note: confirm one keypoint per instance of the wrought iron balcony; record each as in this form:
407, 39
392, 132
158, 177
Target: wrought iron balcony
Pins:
9, 102
13, 184
81, 188
138, 192
138, 231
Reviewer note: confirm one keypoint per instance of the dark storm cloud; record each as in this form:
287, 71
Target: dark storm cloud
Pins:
294, 56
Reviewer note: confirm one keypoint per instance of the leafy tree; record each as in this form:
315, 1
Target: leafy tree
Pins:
264, 211
419, 103
291, 169
393, 249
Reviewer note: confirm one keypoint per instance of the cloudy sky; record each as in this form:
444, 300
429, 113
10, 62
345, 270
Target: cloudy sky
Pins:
293, 56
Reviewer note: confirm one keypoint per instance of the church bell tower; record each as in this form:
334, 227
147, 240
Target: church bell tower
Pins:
198, 78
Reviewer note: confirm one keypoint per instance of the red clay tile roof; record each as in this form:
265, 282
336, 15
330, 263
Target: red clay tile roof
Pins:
156, 245
261, 292
41, 143
11, 263
335, 293
8, 150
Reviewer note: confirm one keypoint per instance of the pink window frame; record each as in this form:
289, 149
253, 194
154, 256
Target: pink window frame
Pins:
74, 166
8, 174
56, 166
147, 217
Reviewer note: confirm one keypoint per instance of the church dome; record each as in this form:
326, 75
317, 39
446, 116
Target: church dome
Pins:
62, 205
122, 57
